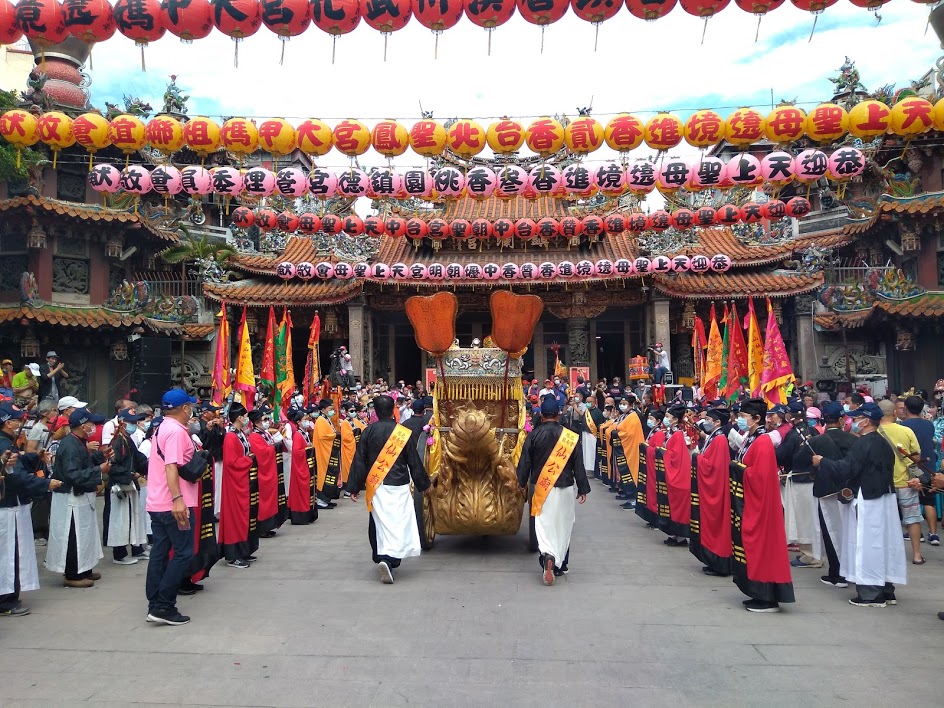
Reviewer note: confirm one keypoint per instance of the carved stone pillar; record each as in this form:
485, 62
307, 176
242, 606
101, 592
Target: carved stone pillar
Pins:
807, 366
355, 333
662, 329
578, 341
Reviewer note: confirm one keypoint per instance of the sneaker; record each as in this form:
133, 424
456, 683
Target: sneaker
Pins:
859, 602
325, 505
890, 599
40, 541
145, 554
905, 536
798, 562
386, 575
940, 615
628, 505
189, 589
173, 618
759, 606
250, 559
18, 611
934, 539
238, 563
622, 497
548, 570
834, 582
82, 583
347, 494
127, 560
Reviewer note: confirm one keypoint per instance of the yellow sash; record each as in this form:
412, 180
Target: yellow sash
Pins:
591, 426
388, 455
552, 469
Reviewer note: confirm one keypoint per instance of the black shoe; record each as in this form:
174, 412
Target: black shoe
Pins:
250, 559
890, 599
173, 618
612, 490
628, 505
622, 497
189, 589
834, 582
758, 606
859, 602
238, 563
940, 615
269, 534
713, 573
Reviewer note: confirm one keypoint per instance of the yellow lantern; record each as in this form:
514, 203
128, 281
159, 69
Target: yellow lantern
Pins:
937, 115
20, 128
351, 137
277, 137
91, 132
202, 135
505, 136
664, 132
704, 128
428, 138
869, 119
827, 123
744, 126
784, 124
165, 134
127, 133
465, 138
314, 137
624, 133
545, 136
911, 116
55, 130
389, 138
239, 135
583, 135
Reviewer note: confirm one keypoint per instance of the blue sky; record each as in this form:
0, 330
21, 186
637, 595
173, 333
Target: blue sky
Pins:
639, 67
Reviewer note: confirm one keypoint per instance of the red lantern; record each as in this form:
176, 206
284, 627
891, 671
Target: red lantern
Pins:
593, 227
353, 225
187, 19
438, 15
243, 217
88, 20
571, 227
438, 229
503, 228
705, 216
336, 17
482, 229
41, 21
659, 220
650, 10
547, 228
237, 18
683, 219
636, 222
595, 12
875, 4
489, 13
727, 215
374, 226
331, 224
287, 18
10, 33
266, 219
703, 8
395, 226
287, 221
798, 207
309, 223
615, 224
814, 6
140, 20
774, 210
751, 212
416, 229
759, 7
542, 12
460, 229
387, 15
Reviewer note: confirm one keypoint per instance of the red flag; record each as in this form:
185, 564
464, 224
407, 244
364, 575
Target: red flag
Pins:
310, 389
777, 369
737, 357
699, 344
222, 380
267, 371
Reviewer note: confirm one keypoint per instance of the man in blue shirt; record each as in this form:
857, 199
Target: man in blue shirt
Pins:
924, 432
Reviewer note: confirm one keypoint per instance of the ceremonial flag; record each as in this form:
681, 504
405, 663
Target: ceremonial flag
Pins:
245, 382
699, 344
713, 360
312, 361
222, 381
725, 352
737, 357
755, 350
777, 369
267, 372
284, 368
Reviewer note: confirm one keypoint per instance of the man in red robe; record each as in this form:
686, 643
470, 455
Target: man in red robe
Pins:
262, 444
710, 527
761, 566
675, 480
302, 503
647, 503
238, 515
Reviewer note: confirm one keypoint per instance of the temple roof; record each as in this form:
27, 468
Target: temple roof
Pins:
927, 304
514, 208
888, 204
87, 317
86, 212
737, 285
256, 292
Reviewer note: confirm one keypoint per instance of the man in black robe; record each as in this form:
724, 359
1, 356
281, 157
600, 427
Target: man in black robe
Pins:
833, 444
392, 502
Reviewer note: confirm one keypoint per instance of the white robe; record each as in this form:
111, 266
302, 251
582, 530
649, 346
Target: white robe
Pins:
872, 553
66, 508
394, 515
144, 447
799, 506
555, 524
589, 452
16, 525
126, 521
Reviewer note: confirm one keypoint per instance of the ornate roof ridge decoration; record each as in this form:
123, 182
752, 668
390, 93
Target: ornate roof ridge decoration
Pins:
926, 304
880, 286
869, 214
87, 316
257, 292
87, 212
719, 286
136, 297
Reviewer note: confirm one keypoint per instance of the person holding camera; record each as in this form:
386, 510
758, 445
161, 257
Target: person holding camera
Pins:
122, 520
74, 544
170, 503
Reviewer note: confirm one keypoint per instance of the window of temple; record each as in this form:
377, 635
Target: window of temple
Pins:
15, 260
70, 271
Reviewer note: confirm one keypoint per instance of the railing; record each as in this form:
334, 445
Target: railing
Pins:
219, 232
823, 221
853, 274
170, 286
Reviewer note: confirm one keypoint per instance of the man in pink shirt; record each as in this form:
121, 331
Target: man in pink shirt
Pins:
170, 504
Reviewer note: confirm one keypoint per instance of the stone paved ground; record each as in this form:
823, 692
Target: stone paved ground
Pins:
469, 624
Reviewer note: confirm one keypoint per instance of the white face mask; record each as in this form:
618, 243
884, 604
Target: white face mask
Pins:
624, 407
307, 424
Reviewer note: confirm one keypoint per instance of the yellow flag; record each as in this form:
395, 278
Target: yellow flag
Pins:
245, 383
755, 351
713, 360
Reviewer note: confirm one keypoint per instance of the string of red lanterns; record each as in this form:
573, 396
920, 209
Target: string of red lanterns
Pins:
546, 271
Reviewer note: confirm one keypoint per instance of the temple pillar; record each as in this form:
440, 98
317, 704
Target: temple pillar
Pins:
806, 366
540, 353
662, 328
391, 373
593, 352
578, 341
356, 327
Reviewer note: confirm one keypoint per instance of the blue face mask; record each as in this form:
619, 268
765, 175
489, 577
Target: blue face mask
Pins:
846, 407
857, 426
653, 423
812, 422
131, 427
742, 424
